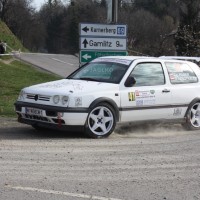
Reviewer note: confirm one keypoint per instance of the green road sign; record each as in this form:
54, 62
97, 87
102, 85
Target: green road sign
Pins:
87, 56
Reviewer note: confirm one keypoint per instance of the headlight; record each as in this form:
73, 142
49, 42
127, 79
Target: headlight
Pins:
56, 99
65, 100
21, 95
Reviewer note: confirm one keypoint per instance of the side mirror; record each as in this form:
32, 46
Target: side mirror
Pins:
130, 82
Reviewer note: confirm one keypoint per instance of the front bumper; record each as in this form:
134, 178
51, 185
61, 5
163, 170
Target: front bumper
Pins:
51, 126
51, 116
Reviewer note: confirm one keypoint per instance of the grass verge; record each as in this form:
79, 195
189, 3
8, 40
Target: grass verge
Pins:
14, 77
7, 36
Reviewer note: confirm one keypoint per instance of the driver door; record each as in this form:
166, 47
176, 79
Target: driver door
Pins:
149, 98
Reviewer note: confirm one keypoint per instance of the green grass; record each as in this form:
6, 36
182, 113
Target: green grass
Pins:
14, 77
17, 75
7, 36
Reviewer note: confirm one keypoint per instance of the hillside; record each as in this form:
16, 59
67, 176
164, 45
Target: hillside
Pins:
7, 36
18, 76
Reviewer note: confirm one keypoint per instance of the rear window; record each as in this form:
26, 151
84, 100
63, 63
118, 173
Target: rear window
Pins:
180, 73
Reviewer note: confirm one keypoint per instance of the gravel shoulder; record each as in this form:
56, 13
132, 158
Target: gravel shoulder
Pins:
133, 163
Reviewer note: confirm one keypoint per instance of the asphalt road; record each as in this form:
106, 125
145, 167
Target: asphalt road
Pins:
62, 65
144, 163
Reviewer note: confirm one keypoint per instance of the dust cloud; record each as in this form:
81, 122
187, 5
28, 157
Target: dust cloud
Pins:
149, 129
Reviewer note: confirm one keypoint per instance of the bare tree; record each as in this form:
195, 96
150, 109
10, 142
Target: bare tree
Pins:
5, 6
147, 33
152, 25
187, 38
23, 21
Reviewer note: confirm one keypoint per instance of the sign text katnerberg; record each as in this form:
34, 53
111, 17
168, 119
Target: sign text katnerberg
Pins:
103, 30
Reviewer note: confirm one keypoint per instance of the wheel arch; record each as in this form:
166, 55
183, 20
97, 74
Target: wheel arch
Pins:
108, 101
197, 99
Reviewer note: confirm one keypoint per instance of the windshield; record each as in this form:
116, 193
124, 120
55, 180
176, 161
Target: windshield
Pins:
109, 72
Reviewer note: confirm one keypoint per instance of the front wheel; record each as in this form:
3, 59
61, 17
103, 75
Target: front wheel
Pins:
193, 117
101, 121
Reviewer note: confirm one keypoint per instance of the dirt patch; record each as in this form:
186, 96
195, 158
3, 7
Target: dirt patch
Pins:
8, 122
7, 61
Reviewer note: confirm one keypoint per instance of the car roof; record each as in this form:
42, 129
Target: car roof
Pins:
121, 59
186, 58
129, 59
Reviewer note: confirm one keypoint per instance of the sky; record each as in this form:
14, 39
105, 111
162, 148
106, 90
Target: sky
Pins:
37, 3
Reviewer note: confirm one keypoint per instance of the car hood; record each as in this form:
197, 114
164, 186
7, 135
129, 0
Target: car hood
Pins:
65, 86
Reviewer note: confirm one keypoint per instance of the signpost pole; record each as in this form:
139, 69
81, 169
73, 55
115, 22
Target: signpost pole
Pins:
115, 11
112, 11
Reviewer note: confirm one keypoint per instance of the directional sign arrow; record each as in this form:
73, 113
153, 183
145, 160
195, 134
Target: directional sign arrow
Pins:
103, 43
86, 29
86, 56
103, 30
85, 42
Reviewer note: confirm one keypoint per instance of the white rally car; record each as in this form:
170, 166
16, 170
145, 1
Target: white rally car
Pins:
115, 89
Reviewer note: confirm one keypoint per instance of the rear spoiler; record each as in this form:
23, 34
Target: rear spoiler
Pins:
196, 59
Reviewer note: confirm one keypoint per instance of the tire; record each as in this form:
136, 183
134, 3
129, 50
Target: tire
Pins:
101, 121
193, 117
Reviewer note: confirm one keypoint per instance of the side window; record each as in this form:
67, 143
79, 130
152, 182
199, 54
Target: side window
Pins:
148, 74
180, 73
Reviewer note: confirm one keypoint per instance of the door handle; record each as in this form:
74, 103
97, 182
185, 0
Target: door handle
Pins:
165, 91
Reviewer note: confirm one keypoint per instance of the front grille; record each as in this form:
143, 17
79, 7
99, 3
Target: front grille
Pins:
37, 97
51, 113
35, 117
43, 119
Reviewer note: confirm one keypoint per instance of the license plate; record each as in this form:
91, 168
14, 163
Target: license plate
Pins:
33, 111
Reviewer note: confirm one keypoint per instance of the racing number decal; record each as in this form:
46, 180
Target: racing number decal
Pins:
131, 96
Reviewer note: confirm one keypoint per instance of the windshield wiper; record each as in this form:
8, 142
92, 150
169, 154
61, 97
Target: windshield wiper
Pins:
88, 79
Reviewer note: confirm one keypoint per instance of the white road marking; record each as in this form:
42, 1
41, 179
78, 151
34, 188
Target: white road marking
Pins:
61, 61
10, 54
84, 196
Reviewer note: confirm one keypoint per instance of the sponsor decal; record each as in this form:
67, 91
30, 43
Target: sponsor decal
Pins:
77, 87
61, 84
152, 91
177, 111
139, 102
182, 77
78, 101
171, 76
122, 61
55, 84
131, 96
144, 98
137, 93
149, 102
145, 94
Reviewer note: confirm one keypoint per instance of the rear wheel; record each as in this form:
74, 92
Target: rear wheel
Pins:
193, 117
101, 121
